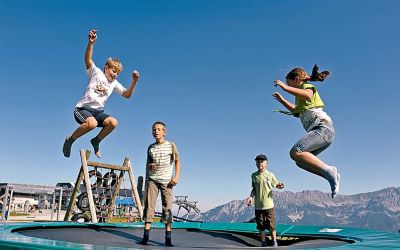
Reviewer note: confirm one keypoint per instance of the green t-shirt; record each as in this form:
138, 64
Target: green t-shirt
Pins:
315, 102
263, 183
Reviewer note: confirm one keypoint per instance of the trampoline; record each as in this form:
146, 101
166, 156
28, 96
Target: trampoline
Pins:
186, 235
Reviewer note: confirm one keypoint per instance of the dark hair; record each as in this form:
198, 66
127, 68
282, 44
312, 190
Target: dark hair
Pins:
302, 74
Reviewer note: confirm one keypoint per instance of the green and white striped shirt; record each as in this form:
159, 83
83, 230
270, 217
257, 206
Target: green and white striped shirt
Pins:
164, 155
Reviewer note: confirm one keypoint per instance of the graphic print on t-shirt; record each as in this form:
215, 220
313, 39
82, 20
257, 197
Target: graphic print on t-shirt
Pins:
101, 87
268, 181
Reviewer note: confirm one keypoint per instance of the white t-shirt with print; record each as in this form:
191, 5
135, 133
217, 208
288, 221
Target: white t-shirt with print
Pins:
98, 89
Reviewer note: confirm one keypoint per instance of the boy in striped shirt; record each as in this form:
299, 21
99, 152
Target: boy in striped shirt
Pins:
162, 156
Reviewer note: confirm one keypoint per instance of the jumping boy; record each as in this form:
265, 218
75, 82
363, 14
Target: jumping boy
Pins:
263, 182
161, 157
89, 111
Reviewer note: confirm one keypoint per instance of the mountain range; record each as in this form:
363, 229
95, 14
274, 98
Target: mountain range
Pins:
379, 210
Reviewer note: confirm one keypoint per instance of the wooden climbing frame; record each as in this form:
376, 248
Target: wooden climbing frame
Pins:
84, 176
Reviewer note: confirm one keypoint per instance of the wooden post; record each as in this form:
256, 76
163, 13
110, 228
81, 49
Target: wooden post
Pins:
135, 194
75, 192
88, 187
84, 175
117, 186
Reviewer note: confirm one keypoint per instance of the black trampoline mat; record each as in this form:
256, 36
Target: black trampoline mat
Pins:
181, 238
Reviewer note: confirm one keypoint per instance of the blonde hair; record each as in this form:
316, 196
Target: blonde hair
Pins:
159, 123
302, 74
114, 63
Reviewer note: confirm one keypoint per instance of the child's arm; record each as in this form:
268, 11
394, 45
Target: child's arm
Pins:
290, 106
175, 179
89, 49
249, 200
305, 94
276, 183
129, 91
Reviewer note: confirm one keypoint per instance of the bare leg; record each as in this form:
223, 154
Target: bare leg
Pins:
273, 237
89, 125
308, 162
110, 123
263, 238
312, 164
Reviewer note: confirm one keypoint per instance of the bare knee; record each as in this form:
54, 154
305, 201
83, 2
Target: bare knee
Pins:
294, 154
111, 121
91, 123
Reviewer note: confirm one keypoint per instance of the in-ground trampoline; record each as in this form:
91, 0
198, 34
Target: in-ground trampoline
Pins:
186, 235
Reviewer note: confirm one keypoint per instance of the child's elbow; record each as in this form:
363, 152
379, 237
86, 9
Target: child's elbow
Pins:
308, 97
126, 95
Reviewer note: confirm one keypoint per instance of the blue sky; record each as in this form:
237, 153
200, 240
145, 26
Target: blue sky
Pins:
207, 70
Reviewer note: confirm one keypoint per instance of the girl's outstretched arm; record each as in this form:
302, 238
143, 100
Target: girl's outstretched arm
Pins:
305, 94
288, 105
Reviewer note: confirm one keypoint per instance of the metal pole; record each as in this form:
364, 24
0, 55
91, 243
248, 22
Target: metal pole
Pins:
59, 204
53, 205
5, 204
187, 215
10, 201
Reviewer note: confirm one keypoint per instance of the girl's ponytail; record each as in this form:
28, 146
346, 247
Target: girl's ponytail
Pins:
318, 76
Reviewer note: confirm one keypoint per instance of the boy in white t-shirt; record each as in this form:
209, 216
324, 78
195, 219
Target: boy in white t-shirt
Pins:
89, 111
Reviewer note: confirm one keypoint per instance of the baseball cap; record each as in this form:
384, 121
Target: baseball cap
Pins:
261, 157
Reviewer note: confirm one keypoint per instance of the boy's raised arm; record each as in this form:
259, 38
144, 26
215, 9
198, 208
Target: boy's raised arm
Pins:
89, 49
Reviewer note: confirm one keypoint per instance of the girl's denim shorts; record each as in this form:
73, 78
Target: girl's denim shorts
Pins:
316, 140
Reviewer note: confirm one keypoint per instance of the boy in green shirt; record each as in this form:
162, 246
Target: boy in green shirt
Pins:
263, 182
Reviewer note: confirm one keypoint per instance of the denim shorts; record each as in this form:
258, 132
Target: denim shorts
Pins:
81, 114
316, 140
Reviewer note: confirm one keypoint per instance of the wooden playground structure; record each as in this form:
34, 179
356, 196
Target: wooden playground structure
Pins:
98, 201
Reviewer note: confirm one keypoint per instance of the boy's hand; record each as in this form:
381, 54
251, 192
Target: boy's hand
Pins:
152, 167
249, 201
174, 181
92, 36
280, 185
135, 75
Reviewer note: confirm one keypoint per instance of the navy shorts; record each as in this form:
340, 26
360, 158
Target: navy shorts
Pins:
81, 114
